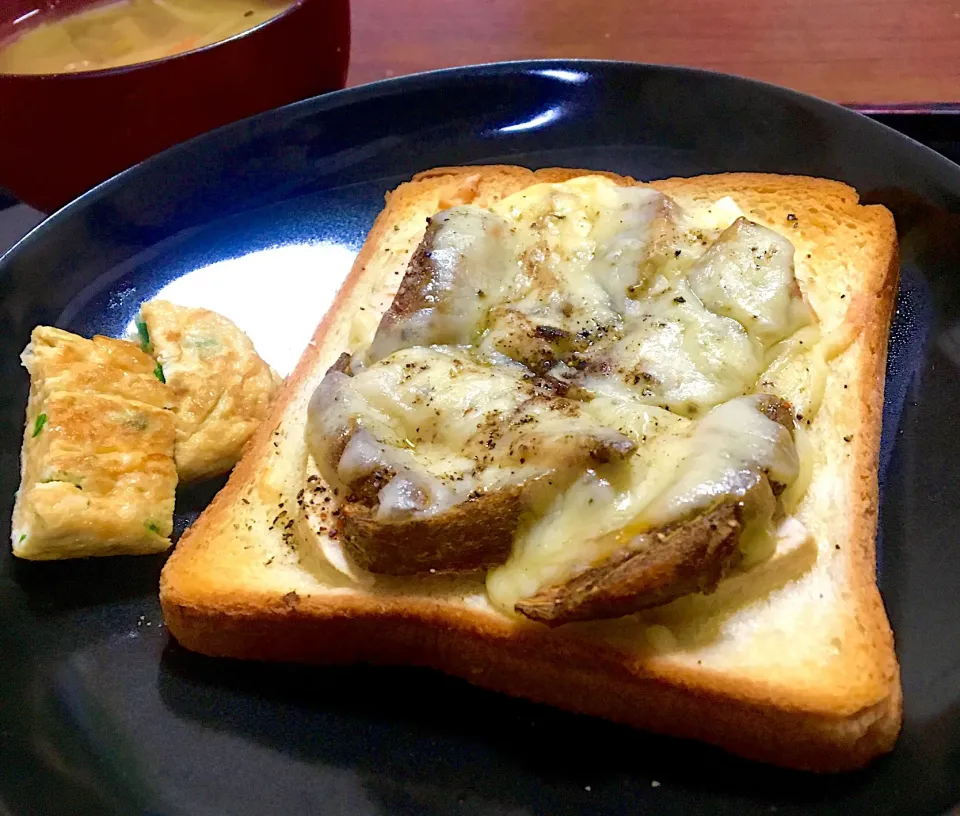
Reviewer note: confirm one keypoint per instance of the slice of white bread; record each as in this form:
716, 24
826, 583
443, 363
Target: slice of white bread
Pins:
797, 670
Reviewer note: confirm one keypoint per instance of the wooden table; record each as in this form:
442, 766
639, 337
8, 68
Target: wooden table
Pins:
851, 51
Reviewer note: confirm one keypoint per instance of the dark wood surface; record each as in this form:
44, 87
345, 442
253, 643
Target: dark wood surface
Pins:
851, 51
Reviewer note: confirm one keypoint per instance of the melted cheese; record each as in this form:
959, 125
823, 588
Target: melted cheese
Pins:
660, 319
714, 216
446, 423
747, 275
680, 468
679, 355
798, 372
470, 248
575, 529
729, 449
618, 280
581, 243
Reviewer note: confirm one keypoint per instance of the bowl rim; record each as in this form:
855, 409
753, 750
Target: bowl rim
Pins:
97, 73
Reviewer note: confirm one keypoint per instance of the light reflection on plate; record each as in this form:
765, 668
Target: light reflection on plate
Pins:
536, 122
276, 295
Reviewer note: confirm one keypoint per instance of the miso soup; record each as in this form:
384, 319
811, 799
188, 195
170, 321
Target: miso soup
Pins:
129, 31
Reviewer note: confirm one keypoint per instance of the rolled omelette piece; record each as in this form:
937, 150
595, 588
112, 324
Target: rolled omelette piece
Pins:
220, 386
97, 469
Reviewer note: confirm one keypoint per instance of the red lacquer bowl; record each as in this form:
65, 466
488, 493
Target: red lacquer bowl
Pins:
60, 134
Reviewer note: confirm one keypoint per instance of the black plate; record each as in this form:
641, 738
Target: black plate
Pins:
101, 713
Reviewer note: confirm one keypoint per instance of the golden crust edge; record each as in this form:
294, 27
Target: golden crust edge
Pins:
520, 662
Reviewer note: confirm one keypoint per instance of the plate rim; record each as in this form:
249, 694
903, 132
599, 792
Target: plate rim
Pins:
414, 81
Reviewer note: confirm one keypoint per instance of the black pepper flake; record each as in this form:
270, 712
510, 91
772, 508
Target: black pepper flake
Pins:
676, 253
679, 298
247, 501
791, 217
842, 296
848, 437
268, 562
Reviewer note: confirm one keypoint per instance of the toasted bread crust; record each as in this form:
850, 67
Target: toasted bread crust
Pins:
521, 662
219, 599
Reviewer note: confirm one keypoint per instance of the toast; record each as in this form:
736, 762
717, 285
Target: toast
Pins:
790, 663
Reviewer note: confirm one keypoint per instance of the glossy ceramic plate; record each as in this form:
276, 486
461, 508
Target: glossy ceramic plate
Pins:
101, 713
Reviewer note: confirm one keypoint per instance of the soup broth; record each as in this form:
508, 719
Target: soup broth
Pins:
130, 31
